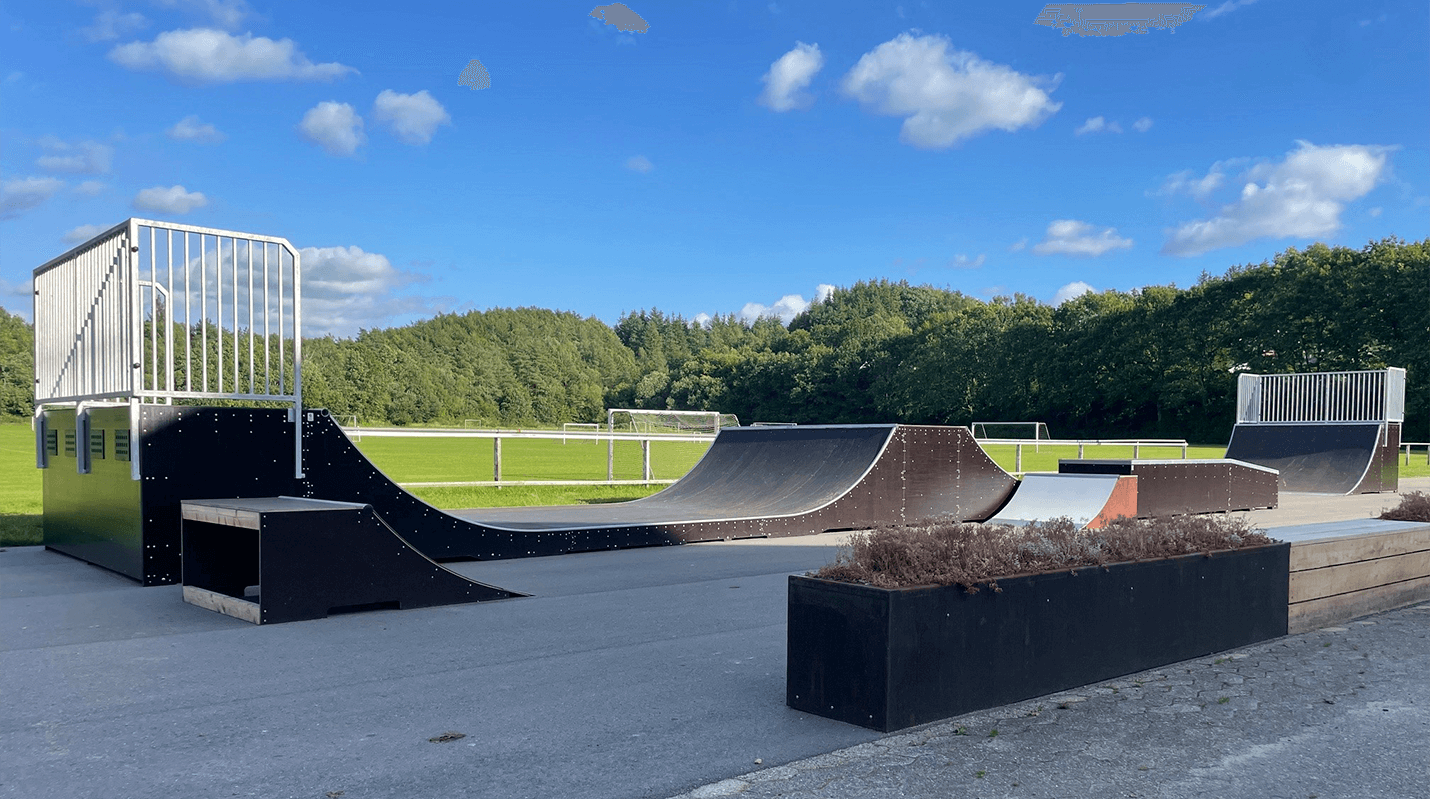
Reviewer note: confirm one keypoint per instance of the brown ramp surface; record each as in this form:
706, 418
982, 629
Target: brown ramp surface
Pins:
753, 482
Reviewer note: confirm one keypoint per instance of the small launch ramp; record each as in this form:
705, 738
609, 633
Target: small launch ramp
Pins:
753, 482
1090, 500
1323, 458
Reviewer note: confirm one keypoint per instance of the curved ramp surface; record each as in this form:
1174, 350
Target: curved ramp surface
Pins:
1322, 458
1090, 500
753, 482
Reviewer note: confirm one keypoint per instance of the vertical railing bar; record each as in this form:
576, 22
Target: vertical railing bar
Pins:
297, 366
282, 376
203, 313
188, 323
153, 317
250, 317
218, 302
169, 324
267, 312
234, 293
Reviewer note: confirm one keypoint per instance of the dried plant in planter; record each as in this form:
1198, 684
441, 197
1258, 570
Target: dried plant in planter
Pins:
1413, 507
945, 552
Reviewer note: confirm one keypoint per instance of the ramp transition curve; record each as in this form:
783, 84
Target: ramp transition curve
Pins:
753, 482
1328, 458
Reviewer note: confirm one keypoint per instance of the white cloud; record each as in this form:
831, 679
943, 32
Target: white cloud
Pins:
1018, 245
961, 261
1198, 188
786, 308
1098, 125
224, 13
111, 24
413, 118
346, 289
23, 294
83, 233
169, 200
639, 163
86, 157
90, 188
1075, 289
1142, 125
214, 56
1225, 8
1374, 211
789, 76
336, 127
191, 129
1071, 237
1301, 197
701, 320
946, 95
20, 195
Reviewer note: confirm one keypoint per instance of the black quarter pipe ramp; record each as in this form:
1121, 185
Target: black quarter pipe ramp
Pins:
1323, 458
753, 482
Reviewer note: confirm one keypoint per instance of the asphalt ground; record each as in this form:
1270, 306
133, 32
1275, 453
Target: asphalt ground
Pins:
642, 673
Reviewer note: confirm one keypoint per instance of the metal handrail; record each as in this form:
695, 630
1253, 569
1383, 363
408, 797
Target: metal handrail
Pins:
1408, 444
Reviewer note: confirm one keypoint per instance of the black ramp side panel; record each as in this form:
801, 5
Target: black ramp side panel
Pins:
1312, 458
752, 482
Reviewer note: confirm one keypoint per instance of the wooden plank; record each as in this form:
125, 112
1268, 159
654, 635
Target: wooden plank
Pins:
1331, 552
1343, 579
1317, 613
229, 517
222, 603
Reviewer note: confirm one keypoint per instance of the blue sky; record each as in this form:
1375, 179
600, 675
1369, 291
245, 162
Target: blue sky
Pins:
734, 158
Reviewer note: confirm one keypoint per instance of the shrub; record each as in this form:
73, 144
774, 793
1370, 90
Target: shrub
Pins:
1413, 507
945, 552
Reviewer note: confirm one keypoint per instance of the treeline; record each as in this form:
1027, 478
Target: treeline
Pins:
1156, 361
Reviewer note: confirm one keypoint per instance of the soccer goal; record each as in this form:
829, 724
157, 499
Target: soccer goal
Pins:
637, 420
1010, 430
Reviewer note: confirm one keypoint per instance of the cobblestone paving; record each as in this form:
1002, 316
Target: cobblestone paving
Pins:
1338, 712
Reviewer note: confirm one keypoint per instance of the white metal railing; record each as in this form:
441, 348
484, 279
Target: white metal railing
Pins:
156, 311
647, 475
1321, 397
1082, 443
1406, 445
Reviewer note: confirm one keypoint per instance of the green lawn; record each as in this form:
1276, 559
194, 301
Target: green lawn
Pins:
431, 460
1044, 458
19, 486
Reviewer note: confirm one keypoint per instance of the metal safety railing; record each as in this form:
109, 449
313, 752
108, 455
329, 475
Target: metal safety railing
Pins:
1321, 397
1082, 444
153, 312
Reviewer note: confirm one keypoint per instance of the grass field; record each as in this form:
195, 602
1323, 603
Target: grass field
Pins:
431, 460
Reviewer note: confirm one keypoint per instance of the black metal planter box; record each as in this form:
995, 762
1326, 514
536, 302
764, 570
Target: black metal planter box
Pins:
890, 659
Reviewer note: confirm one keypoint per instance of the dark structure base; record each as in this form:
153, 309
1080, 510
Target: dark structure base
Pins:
284, 559
890, 659
1177, 487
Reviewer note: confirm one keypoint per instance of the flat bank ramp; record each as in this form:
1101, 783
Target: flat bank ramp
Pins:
1335, 458
752, 482
1090, 500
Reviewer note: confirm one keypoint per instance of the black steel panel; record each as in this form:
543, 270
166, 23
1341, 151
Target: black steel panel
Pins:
1175, 487
308, 562
96, 516
892, 659
1321, 458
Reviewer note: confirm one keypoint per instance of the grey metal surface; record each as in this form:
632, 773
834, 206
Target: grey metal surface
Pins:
1322, 458
1039, 497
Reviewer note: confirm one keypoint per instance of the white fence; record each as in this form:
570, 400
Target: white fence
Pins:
155, 311
1321, 397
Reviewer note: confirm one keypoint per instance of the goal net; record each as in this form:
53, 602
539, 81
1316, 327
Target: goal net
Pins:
1034, 431
635, 420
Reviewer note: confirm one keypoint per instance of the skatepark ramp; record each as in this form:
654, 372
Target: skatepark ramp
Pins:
753, 482
1090, 500
1325, 432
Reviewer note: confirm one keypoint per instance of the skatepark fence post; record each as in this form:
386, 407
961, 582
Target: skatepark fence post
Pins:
645, 460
